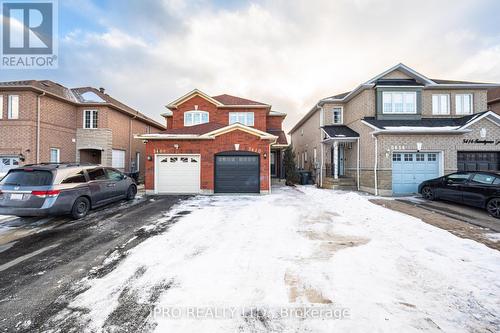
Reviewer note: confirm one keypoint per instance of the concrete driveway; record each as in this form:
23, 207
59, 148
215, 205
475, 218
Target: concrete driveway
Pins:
41, 259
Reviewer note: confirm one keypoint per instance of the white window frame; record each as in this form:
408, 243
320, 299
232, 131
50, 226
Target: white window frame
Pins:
315, 155
404, 96
192, 114
248, 121
13, 109
137, 161
462, 97
114, 162
94, 115
305, 156
1, 106
58, 155
341, 109
437, 106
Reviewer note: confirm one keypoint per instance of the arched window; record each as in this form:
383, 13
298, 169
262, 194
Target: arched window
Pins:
195, 118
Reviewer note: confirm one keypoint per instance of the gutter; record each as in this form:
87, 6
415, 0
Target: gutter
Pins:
375, 167
38, 111
130, 140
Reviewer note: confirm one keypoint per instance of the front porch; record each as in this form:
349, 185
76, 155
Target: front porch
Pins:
340, 169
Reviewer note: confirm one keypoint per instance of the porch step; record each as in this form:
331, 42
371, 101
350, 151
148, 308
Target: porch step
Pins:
344, 183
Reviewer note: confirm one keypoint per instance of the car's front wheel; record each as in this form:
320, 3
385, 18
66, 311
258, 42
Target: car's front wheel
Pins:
493, 207
131, 192
80, 208
428, 193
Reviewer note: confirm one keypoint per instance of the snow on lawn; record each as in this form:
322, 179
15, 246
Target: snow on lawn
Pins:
299, 247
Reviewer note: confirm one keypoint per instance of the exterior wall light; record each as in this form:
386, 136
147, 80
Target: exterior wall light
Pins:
150, 158
265, 155
176, 146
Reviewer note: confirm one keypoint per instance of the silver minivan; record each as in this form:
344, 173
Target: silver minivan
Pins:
60, 189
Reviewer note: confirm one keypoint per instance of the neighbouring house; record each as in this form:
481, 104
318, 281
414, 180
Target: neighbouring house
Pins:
494, 100
219, 144
43, 121
396, 130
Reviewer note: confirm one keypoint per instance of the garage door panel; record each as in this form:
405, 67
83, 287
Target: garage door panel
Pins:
178, 174
237, 174
411, 169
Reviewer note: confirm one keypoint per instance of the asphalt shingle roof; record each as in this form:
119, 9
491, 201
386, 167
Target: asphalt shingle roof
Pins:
282, 140
234, 100
340, 131
424, 122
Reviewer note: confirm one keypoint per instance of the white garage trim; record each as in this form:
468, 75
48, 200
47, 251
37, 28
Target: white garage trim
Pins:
156, 173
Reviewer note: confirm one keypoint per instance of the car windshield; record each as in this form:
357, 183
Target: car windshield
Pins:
28, 178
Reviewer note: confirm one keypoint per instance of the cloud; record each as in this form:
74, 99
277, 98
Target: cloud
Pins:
286, 53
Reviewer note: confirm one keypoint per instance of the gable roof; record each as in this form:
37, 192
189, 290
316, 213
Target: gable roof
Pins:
76, 96
282, 140
340, 131
219, 101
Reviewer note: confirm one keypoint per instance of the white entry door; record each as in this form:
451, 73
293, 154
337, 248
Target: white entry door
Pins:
177, 173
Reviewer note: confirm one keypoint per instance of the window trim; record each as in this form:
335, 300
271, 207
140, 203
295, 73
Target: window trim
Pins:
92, 111
246, 113
192, 112
404, 93
58, 155
10, 114
341, 108
471, 103
438, 107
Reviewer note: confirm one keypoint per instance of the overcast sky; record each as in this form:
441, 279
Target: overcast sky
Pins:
283, 52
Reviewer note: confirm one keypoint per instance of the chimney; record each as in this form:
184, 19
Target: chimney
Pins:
102, 90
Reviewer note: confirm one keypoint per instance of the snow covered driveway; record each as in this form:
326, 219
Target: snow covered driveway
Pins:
261, 255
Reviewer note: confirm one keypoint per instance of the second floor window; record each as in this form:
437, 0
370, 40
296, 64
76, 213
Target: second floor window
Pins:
396, 102
90, 119
463, 103
337, 115
195, 118
245, 118
440, 104
13, 111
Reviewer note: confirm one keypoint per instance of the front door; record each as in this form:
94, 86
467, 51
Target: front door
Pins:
341, 161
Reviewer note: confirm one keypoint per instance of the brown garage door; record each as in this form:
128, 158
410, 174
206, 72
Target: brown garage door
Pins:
478, 161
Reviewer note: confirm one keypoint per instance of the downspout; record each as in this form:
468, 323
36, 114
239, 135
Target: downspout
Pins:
321, 119
375, 167
38, 111
130, 142
358, 166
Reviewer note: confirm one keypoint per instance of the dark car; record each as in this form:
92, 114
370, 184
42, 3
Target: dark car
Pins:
60, 189
478, 189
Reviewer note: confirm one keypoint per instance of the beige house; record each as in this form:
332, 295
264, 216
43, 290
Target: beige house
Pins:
396, 130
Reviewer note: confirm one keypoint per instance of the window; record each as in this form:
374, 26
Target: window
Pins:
1, 106
118, 159
245, 118
432, 157
30, 177
396, 157
54, 155
496, 181
315, 155
419, 157
463, 103
337, 115
408, 157
114, 175
90, 119
76, 178
137, 161
305, 156
458, 178
441, 104
13, 111
399, 102
482, 178
97, 174
195, 118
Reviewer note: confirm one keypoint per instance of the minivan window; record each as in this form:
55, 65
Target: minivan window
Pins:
22, 177
114, 174
76, 178
97, 174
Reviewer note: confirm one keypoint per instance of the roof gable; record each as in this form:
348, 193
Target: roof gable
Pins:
401, 68
191, 94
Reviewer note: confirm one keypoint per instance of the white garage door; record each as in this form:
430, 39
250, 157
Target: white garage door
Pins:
7, 163
178, 173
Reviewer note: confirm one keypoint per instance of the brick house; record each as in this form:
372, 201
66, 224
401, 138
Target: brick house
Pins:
494, 100
220, 144
394, 131
43, 121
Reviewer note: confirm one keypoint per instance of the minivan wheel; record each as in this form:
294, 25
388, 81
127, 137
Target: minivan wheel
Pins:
428, 193
131, 192
80, 208
493, 207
